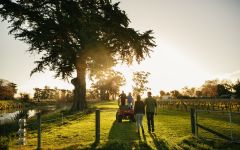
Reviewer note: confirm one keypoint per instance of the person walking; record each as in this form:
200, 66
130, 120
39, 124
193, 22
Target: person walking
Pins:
139, 111
151, 109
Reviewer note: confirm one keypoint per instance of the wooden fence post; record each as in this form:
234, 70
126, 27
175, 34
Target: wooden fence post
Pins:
230, 120
97, 125
39, 130
194, 121
62, 118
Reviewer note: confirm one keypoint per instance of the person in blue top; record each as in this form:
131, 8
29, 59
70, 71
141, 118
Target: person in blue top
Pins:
130, 100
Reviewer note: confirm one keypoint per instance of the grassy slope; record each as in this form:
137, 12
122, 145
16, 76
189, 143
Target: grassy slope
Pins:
78, 132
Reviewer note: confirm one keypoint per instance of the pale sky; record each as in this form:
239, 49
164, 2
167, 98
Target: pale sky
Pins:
196, 40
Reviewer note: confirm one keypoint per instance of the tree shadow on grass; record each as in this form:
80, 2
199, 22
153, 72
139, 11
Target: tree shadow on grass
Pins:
125, 131
123, 136
159, 143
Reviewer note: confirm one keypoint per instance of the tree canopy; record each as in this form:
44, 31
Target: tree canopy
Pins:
140, 79
76, 36
7, 90
108, 83
64, 30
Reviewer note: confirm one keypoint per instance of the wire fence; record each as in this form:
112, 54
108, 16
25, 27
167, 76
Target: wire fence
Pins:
30, 134
213, 119
216, 124
232, 105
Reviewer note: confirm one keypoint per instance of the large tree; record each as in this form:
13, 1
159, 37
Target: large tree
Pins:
76, 36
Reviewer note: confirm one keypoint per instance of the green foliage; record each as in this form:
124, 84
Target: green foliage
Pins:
162, 93
236, 87
174, 93
56, 94
24, 97
140, 80
222, 90
95, 31
7, 90
210, 89
108, 83
216, 88
76, 36
4, 143
188, 92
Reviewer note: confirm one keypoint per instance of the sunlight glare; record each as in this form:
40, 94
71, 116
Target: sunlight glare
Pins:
40, 80
163, 67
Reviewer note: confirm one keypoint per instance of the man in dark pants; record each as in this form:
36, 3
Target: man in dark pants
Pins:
151, 109
123, 98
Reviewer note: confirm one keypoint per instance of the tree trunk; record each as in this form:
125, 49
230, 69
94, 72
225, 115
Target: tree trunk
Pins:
107, 95
102, 92
79, 83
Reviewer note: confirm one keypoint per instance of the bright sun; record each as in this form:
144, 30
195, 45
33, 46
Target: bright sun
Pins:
169, 70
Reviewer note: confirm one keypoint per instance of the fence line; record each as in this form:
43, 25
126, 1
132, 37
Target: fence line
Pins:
195, 125
207, 104
217, 111
39, 127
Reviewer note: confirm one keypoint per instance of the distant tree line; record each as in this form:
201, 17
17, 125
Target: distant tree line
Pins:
7, 90
106, 84
210, 89
55, 94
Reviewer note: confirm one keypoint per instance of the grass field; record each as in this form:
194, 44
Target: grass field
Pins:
173, 131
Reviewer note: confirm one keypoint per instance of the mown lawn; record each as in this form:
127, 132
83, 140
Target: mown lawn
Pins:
173, 131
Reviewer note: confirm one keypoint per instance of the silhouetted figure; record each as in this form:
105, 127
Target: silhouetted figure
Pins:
151, 108
123, 98
139, 111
